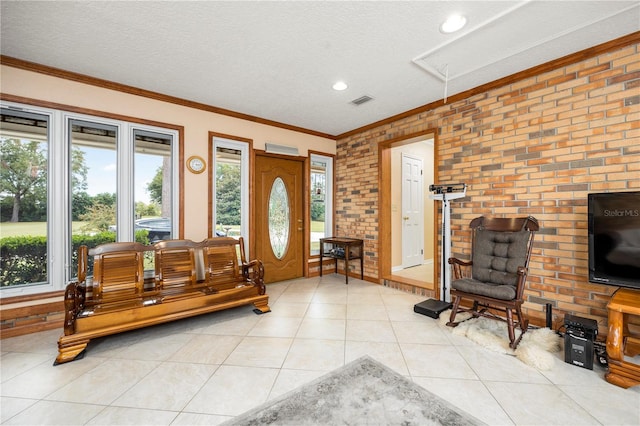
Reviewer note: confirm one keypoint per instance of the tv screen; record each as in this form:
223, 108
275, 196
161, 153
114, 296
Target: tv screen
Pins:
614, 238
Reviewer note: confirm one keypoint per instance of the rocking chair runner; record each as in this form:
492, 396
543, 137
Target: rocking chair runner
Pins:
501, 249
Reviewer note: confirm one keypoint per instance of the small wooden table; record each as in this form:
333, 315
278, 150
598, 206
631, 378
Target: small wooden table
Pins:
620, 342
342, 248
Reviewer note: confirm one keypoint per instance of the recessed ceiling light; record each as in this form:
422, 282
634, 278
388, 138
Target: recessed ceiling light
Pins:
340, 85
453, 24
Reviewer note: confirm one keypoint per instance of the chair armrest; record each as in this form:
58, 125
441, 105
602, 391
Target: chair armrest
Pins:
457, 265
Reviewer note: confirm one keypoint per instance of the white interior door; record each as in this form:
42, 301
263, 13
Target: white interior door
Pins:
412, 212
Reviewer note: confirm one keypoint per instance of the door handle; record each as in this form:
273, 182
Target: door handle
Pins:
406, 218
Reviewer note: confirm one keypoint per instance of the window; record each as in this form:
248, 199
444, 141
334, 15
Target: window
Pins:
230, 188
93, 178
153, 158
93, 181
24, 211
321, 207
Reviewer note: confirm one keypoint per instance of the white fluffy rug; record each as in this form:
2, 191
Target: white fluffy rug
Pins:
535, 349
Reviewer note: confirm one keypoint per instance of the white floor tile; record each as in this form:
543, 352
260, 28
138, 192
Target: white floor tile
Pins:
498, 367
272, 352
155, 348
13, 364
470, 395
44, 379
309, 354
269, 326
288, 380
207, 349
56, 413
436, 361
233, 390
168, 387
12, 406
233, 326
321, 328
366, 312
287, 309
327, 311
388, 353
105, 383
419, 332
538, 404
194, 419
609, 404
132, 416
370, 331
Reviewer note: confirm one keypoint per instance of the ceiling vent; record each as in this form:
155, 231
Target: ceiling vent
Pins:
361, 100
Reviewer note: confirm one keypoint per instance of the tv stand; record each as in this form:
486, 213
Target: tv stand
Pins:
620, 342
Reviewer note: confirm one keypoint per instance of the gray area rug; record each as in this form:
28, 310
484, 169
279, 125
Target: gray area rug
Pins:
363, 392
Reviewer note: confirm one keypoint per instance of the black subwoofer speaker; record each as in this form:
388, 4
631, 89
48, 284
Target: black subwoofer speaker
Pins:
580, 333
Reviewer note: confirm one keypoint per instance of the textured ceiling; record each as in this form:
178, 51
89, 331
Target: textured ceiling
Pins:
278, 60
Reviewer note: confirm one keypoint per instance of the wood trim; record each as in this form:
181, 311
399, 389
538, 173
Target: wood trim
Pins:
306, 214
510, 79
111, 85
384, 209
31, 297
181, 168
31, 328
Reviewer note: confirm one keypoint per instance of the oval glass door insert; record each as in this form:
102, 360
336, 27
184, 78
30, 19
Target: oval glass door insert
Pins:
279, 218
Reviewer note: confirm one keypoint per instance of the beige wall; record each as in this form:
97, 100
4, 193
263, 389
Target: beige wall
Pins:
197, 124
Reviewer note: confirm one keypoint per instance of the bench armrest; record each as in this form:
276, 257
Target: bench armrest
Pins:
74, 299
253, 272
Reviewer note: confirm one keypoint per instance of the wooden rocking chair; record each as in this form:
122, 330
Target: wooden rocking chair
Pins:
494, 279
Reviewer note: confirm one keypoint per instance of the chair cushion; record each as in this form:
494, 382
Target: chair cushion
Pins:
497, 291
497, 256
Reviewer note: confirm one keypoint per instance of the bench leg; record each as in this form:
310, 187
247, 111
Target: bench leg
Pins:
261, 307
69, 352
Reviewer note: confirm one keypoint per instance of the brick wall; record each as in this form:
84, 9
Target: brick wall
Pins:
536, 147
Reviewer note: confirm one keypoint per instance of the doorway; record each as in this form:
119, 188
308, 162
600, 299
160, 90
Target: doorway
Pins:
408, 226
279, 225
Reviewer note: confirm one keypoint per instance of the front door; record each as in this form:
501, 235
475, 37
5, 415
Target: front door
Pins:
279, 222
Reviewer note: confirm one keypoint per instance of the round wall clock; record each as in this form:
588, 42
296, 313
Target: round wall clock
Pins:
196, 164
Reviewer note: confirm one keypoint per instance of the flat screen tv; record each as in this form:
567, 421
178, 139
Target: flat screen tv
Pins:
614, 238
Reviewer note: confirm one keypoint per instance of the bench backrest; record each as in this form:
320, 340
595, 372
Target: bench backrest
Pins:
180, 266
221, 265
118, 272
175, 264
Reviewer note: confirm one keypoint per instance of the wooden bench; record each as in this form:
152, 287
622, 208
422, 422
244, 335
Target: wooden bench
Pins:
190, 278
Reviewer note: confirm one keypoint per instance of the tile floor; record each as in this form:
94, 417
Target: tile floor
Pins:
207, 369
